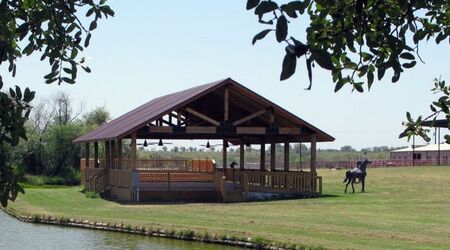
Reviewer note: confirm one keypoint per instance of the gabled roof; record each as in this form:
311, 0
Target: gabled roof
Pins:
154, 109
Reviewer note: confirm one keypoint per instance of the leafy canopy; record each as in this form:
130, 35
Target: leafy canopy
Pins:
55, 29
358, 41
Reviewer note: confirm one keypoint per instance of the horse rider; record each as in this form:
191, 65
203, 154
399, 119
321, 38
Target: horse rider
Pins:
357, 169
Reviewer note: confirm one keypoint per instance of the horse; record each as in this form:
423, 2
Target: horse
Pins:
357, 173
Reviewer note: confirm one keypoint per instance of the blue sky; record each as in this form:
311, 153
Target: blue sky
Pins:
153, 48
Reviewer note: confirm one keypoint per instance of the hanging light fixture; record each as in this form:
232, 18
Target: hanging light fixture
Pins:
226, 144
160, 143
247, 144
145, 143
207, 144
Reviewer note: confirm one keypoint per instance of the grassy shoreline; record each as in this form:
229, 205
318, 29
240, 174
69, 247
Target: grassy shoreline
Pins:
405, 208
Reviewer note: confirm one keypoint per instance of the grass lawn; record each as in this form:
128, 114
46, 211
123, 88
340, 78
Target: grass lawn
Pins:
404, 208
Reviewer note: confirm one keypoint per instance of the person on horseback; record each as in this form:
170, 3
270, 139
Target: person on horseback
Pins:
357, 169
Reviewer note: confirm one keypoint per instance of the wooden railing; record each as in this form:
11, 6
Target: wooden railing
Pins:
170, 164
174, 176
283, 182
120, 178
97, 182
87, 173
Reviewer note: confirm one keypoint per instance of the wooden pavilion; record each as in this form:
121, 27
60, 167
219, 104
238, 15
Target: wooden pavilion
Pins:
224, 110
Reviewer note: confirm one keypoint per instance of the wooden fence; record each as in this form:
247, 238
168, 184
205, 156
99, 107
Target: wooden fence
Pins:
346, 164
277, 182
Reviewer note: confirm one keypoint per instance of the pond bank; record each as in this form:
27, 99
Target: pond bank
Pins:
16, 234
187, 235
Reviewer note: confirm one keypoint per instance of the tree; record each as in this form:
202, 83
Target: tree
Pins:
414, 127
97, 117
54, 28
347, 149
14, 111
356, 40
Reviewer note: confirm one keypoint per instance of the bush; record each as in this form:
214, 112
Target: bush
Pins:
71, 178
90, 194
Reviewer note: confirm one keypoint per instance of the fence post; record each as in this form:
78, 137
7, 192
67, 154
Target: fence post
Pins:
245, 184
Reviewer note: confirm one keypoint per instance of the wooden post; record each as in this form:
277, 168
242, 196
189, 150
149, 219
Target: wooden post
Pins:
286, 156
224, 156
119, 153
133, 156
272, 156
113, 154
241, 156
262, 163
87, 154
107, 155
96, 154
313, 153
225, 105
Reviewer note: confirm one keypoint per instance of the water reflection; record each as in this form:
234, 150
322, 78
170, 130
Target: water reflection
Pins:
19, 235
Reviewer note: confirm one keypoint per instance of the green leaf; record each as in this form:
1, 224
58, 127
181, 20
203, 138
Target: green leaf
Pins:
260, 35
408, 116
51, 80
447, 139
18, 93
323, 58
282, 28
107, 10
12, 93
252, 4
309, 68
381, 71
51, 74
87, 69
87, 40
90, 12
68, 80
369, 79
28, 95
409, 65
93, 26
339, 85
289, 65
358, 87
407, 56
67, 70
74, 53
28, 49
433, 108
265, 7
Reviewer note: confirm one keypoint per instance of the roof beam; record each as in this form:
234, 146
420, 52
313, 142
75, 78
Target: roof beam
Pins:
202, 116
249, 117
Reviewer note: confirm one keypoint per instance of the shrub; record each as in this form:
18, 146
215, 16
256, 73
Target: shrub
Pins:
91, 194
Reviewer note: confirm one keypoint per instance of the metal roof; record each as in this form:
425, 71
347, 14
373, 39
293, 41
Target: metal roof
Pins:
426, 148
443, 123
142, 115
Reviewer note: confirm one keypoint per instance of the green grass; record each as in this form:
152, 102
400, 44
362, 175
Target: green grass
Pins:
406, 208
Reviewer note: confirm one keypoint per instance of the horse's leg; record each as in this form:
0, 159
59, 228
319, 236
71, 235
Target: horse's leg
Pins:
346, 185
353, 181
362, 185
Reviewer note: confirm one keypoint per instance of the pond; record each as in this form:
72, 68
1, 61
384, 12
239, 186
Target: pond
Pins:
15, 234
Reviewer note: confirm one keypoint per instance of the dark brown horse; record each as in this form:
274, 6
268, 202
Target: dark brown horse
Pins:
359, 173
